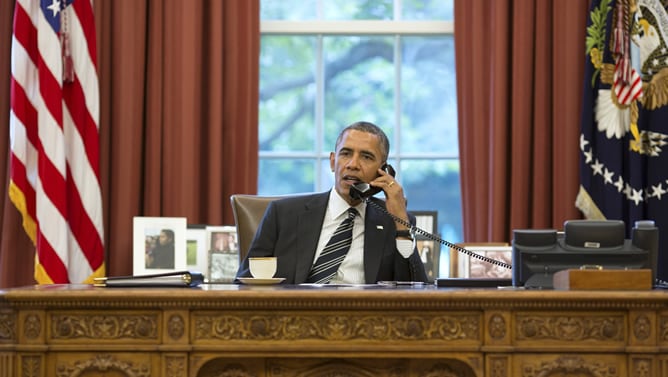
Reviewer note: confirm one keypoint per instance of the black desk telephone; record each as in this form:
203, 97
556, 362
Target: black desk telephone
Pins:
364, 191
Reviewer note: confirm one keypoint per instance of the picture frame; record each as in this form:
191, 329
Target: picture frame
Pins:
465, 266
196, 249
223, 253
429, 250
427, 221
150, 255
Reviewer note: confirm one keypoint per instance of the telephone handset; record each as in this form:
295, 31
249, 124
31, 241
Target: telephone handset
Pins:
364, 190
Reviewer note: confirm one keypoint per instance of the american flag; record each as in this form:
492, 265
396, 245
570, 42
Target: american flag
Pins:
54, 176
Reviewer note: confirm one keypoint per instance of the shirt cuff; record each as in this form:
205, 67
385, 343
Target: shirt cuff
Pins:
405, 248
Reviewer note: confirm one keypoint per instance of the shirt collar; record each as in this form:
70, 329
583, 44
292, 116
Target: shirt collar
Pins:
337, 206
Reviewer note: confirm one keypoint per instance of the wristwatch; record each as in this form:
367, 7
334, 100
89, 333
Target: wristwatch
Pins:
404, 233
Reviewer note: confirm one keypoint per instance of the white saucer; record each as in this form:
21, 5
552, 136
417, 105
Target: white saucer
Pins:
254, 281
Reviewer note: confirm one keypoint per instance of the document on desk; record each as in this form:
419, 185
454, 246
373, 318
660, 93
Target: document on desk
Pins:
170, 279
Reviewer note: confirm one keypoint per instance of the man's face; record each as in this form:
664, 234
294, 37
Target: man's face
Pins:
357, 159
164, 238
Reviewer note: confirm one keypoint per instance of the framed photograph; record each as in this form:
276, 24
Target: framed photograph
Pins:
159, 244
465, 266
223, 251
430, 253
196, 249
430, 250
427, 221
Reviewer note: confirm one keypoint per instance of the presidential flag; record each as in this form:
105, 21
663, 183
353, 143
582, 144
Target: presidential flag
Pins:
54, 177
624, 161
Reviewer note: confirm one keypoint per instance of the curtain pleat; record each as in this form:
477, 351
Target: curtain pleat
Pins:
519, 83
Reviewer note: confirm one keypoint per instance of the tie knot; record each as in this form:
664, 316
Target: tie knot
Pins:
352, 212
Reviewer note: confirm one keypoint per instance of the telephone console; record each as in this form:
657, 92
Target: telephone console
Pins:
538, 254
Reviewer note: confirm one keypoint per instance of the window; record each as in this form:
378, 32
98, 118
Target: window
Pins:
325, 64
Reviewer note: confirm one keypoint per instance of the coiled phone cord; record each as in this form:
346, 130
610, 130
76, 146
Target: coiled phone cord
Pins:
415, 230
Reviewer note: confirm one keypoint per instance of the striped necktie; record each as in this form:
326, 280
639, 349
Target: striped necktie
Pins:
334, 252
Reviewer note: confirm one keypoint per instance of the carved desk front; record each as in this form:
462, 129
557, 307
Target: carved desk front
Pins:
239, 331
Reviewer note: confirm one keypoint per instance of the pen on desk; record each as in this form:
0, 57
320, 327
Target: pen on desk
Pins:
392, 283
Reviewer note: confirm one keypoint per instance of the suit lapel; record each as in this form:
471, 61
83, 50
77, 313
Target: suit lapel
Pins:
309, 225
376, 226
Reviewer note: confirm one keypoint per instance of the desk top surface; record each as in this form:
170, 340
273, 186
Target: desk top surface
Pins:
372, 297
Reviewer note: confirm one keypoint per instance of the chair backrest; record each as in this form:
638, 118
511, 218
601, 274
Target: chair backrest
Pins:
248, 211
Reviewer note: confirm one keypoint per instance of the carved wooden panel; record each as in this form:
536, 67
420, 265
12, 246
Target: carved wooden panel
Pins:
497, 328
339, 367
7, 327
642, 328
643, 366
31, 326
336, 327
82, 327
83, 364
571, 328
31, 365
233, 331
498, 366
663, 329
174, 365
176, 327
541, 365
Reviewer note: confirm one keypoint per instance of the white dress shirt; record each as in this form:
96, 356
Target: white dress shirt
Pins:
351, 270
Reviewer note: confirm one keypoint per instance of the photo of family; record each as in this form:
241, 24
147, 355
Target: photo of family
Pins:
223, 253
158, 244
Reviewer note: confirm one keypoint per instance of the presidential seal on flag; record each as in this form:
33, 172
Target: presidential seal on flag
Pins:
624, 126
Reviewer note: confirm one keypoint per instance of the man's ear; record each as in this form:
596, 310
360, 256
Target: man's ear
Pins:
331, 161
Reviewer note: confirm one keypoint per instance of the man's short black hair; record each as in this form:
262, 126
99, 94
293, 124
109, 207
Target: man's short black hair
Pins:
371, 128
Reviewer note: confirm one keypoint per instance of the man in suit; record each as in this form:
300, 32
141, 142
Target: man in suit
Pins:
297, 230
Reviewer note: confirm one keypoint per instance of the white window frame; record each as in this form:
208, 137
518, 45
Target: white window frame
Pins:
321, 28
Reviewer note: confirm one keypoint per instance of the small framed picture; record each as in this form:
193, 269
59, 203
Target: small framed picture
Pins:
223, 250
427, 221
471, 267
196, 249
159, 244
430, 253
430, 250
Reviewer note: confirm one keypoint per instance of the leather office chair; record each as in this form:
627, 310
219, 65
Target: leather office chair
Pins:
248, 211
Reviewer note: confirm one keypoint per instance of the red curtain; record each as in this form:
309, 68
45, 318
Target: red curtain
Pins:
178, 120
520, 66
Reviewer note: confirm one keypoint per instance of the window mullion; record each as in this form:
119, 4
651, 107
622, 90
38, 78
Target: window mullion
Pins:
319, 111
397, 102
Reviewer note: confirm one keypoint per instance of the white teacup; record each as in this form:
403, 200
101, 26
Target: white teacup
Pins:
262, 267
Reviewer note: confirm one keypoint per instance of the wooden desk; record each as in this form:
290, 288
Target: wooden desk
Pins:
225, 330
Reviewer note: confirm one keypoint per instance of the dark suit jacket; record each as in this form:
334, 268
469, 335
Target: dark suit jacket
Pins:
290, 230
